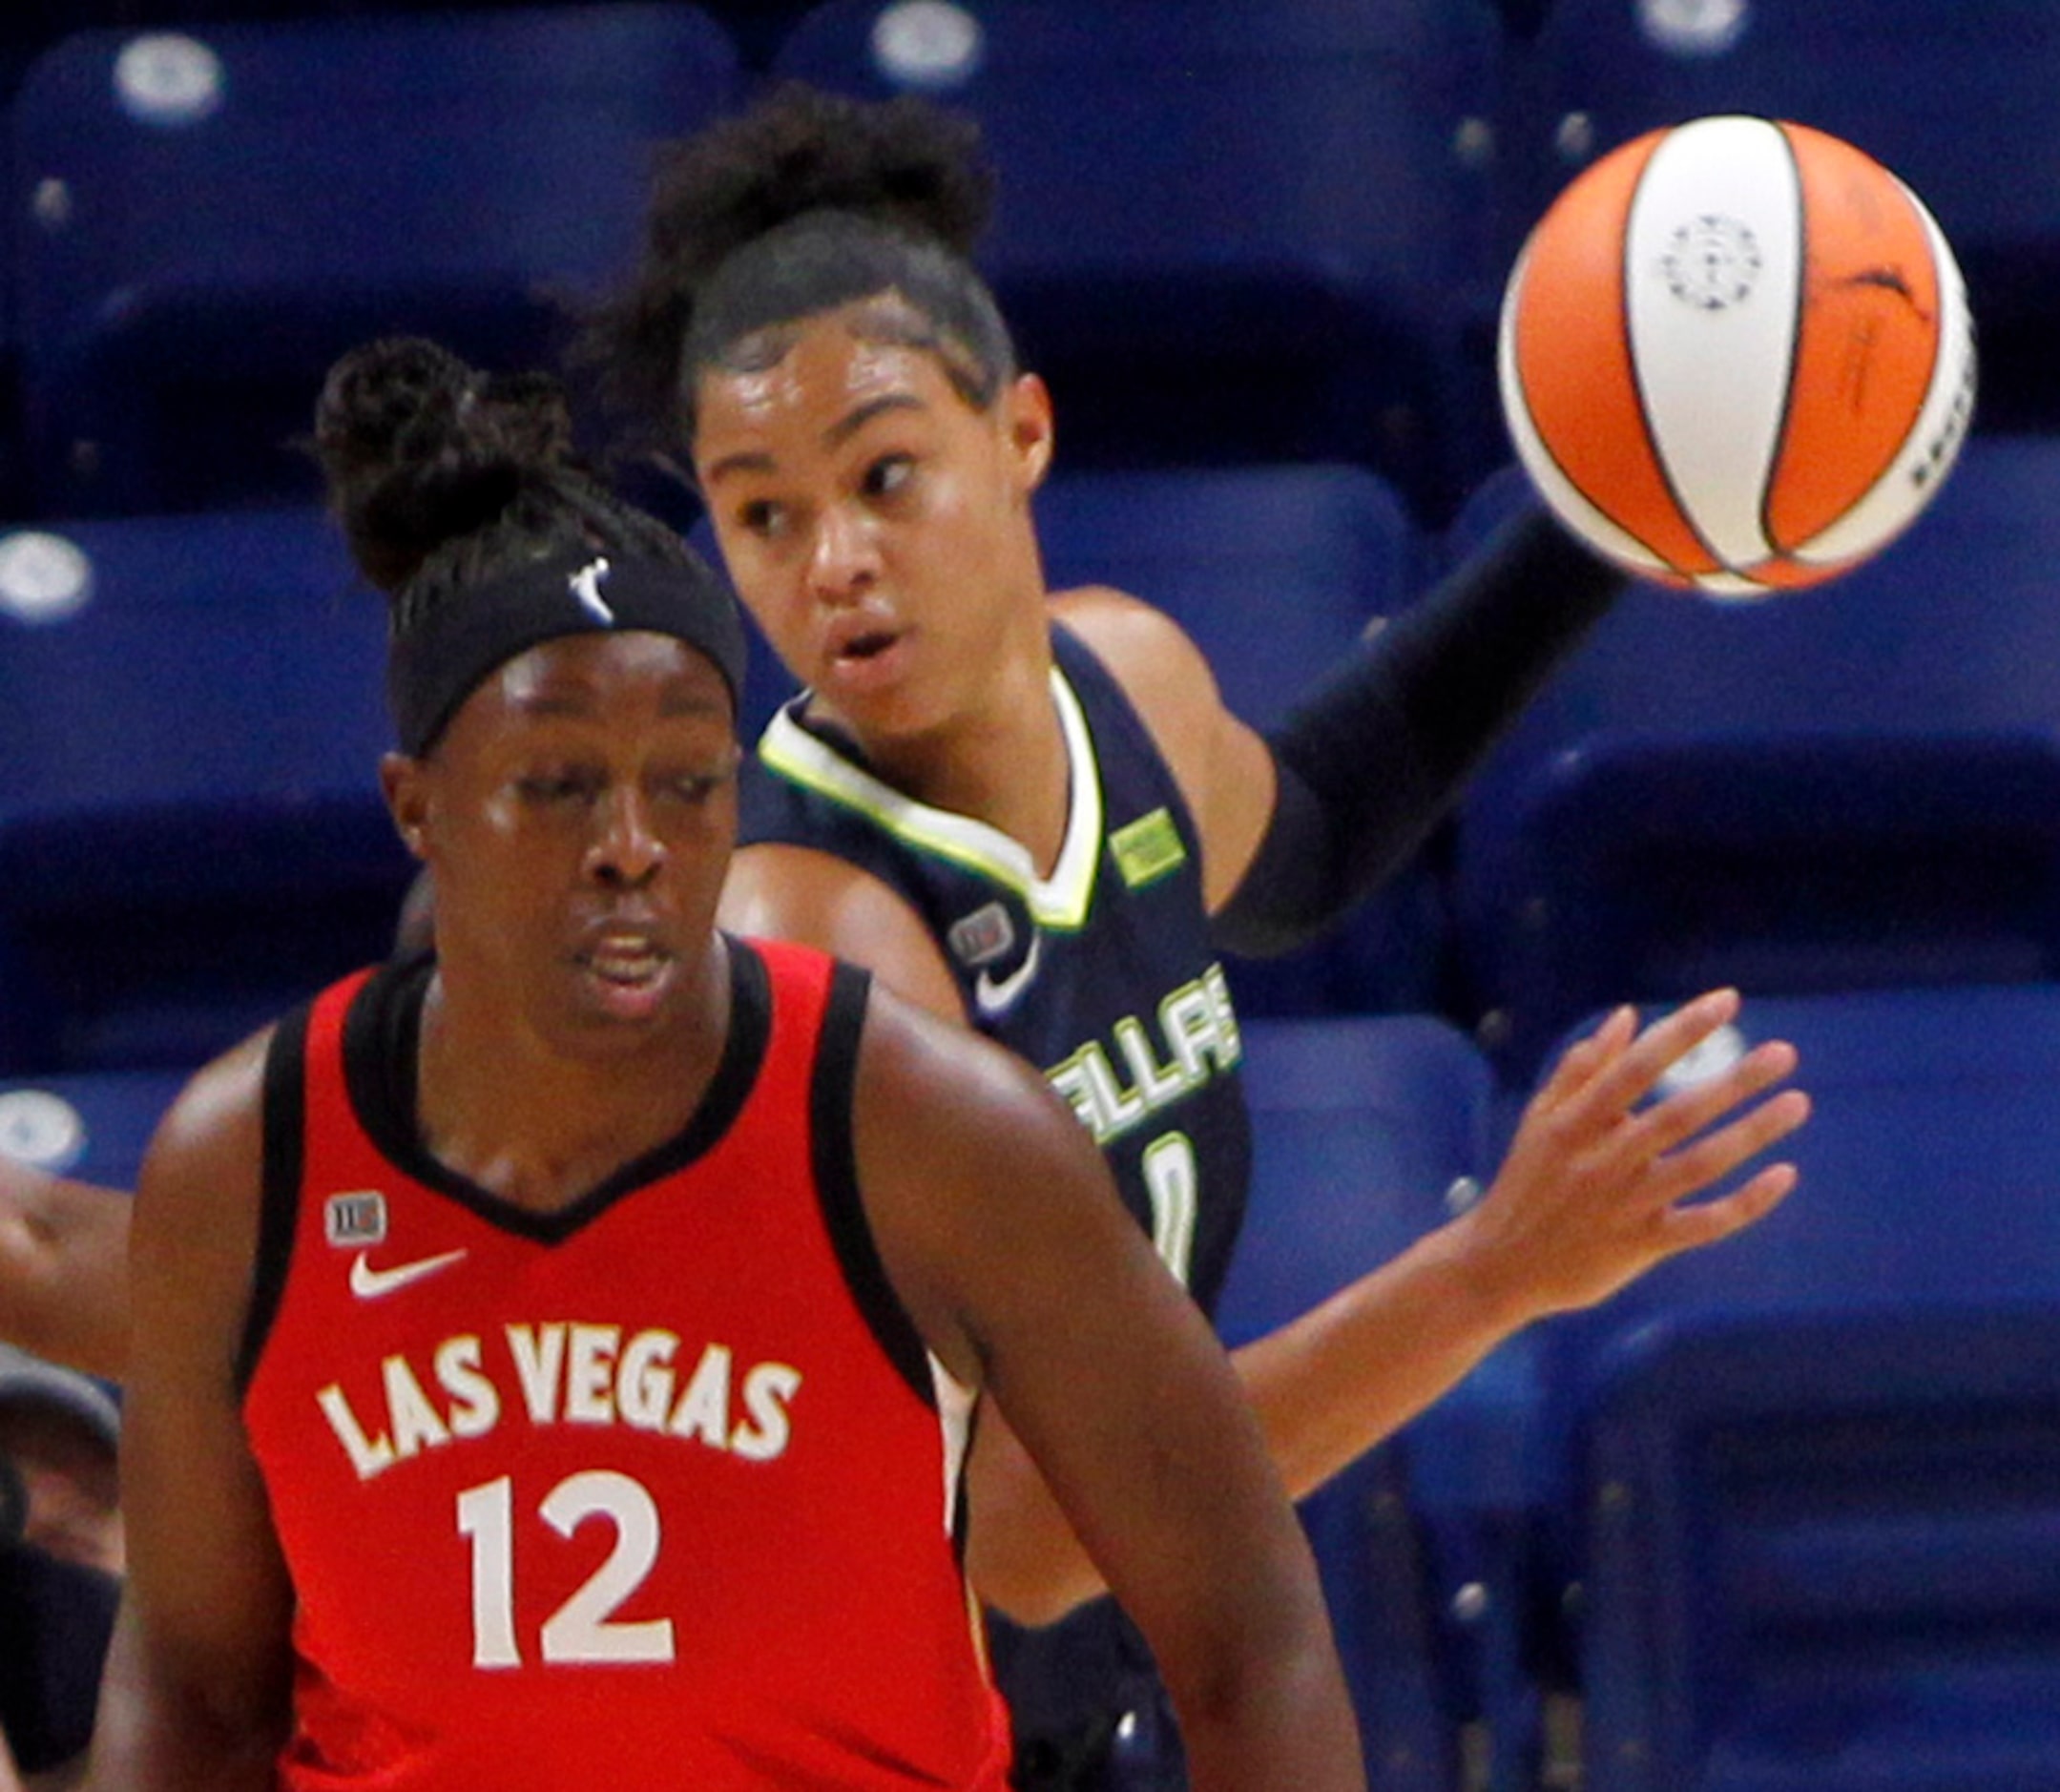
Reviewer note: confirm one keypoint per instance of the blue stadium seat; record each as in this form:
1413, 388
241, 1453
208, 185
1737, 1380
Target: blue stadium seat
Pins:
1857, 786
1944, 95
1275, 571
191, 832
1361, 1127
210, 216
1807, 1483
1224, 232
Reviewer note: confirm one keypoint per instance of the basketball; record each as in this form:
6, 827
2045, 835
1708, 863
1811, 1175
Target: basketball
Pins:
1735, 356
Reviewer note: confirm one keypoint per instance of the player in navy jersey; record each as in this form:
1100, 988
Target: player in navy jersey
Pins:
1032, 813
553, 1355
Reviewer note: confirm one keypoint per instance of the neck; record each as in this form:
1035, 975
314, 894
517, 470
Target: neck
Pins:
1001, 759
540, 1127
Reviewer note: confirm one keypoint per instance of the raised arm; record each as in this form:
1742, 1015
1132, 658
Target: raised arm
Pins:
998, 1225
63, 1269
194, 1697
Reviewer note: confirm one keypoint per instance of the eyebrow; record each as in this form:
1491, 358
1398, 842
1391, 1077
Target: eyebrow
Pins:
757, 461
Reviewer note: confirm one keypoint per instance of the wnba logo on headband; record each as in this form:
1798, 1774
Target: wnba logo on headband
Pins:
586, 586
449, 647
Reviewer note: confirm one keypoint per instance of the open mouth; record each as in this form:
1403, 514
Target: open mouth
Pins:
628, 965
863, 647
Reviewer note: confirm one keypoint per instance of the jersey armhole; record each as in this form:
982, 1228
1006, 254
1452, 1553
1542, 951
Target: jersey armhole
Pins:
837, 1182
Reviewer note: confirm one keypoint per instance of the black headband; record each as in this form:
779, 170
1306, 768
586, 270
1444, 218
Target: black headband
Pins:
447, 653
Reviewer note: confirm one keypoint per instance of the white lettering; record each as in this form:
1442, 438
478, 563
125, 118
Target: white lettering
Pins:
589, 1376
644, 1379
476, 1402
414, 1421
704, 1409
368, 1456
538, 1354
768, 1388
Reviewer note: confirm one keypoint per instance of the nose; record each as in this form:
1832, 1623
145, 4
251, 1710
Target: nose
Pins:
626, 852
843, 562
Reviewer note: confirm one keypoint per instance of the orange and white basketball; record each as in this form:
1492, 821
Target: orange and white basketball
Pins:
1735, 355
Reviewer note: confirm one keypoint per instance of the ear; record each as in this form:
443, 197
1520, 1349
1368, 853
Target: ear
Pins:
1028, 418
405, 784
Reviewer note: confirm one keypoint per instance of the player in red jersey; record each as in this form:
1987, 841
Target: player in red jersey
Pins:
552, 1358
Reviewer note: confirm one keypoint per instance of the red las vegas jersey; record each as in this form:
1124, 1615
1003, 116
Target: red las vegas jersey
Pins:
659, 1491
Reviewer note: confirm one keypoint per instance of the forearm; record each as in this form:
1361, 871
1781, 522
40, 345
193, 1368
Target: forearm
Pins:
63, 1269
1326, 1387
1339, 1379
1289, 1727
1375, 755
150, 1736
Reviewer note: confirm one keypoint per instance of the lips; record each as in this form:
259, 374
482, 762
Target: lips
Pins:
627, 973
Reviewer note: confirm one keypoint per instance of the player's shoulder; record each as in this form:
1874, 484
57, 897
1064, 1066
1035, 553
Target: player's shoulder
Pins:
1157, 666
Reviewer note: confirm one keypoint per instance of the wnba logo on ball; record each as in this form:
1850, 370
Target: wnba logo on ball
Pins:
1703, 440
1712, 262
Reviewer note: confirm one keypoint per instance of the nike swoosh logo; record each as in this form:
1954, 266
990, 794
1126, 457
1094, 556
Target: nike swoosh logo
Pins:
993, 998
368, 1283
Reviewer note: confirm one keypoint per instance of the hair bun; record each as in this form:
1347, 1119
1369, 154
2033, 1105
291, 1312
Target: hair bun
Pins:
420, 448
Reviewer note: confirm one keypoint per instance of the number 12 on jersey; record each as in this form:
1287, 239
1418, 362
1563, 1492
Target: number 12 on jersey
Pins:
584, 1629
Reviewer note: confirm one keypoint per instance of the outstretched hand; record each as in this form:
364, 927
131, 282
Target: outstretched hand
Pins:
1597, 1188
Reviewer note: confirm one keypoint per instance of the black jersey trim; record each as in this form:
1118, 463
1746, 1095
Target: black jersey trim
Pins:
279, 1201
835, 1158
381, 1058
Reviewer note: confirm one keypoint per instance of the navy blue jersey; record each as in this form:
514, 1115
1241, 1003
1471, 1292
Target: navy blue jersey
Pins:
1102, 973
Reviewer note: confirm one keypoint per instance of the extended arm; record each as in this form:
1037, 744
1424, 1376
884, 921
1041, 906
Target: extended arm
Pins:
63, 1269
1000, 1228
1596, 1191
1374, 756
194, 1695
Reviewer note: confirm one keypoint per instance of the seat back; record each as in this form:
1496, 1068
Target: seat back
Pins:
1805, 1480
1224, 233
1360, 1129
214, 216
191, 832
1856, 785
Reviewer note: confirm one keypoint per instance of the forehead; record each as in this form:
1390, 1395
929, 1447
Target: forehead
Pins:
822, 371
632, 677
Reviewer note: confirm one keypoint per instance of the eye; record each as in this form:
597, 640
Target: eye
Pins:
762, 517
696, 787
888, 474
570, 785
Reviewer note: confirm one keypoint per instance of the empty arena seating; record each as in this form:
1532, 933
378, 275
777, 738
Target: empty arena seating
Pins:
1223, 232
1360, 1129
206, 218
191, 832
1848, 787
1807, 1483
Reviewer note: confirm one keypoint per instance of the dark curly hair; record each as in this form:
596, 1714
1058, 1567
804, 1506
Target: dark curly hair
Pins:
442, 476
807, 201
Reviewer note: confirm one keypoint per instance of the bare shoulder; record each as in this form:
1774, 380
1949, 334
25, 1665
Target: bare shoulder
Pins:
814, 897
1224, 768
1161, 669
